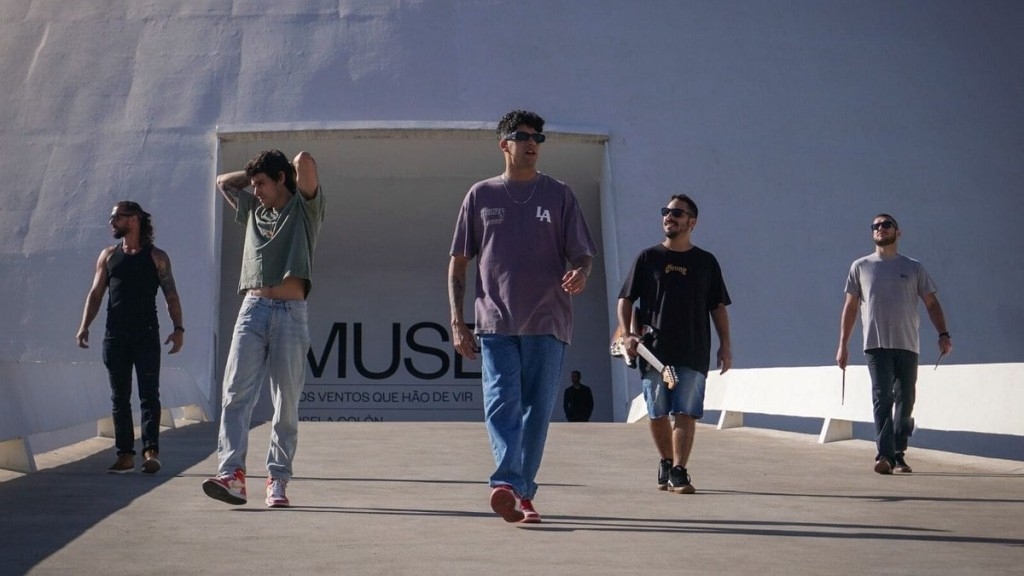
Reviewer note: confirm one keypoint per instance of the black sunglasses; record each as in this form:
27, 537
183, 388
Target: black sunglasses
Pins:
675, 212
883, 224
119, 215
524, 136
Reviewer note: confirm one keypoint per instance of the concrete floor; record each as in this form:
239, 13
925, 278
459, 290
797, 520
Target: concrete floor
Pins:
411, 498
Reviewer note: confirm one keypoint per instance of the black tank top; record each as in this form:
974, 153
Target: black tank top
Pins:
132, 282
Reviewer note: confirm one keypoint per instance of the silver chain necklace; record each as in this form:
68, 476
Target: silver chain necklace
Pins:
504, 182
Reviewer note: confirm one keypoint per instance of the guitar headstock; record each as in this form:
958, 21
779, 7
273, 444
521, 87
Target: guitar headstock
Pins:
670, 377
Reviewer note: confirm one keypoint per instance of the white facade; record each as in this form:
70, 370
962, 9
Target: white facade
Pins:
791, 124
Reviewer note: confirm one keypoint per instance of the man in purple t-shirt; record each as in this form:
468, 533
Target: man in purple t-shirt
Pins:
533, 252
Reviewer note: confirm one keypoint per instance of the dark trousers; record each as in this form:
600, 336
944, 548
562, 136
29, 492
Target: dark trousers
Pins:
121, 353
893, 384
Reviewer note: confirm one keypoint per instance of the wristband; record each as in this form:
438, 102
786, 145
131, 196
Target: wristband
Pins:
946, 334
179, 329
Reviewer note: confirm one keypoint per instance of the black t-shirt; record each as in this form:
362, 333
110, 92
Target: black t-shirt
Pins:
677, 292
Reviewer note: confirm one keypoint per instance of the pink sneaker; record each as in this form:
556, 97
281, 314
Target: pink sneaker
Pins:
530, 516
503, 502
275, 493
228, 488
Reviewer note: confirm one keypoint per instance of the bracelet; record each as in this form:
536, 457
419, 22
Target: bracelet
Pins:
946, 334
179, 329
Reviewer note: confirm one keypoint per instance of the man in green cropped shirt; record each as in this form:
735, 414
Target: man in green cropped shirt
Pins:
282, 207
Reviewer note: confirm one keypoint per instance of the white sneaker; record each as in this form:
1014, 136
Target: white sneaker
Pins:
276, 497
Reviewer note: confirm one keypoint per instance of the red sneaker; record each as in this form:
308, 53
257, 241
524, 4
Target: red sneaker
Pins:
228, 488
530, 516
503, 502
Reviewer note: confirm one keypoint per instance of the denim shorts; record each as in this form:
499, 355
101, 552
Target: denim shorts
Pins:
687, 397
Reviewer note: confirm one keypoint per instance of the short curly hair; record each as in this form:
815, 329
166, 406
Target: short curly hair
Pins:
509, 122
272, 163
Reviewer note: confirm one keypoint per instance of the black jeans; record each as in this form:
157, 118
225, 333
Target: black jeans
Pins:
121, 353
893, 389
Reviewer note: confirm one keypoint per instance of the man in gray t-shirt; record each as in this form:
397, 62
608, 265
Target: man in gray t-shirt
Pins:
886, 286
533, 252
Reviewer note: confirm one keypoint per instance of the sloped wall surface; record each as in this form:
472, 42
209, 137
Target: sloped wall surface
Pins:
792, 123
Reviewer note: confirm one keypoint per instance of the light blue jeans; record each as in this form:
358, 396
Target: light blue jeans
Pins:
521, 376
270, 340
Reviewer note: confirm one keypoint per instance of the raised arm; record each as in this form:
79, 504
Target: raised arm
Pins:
462, 337
94, 298
166, 277
230, 184
306, 177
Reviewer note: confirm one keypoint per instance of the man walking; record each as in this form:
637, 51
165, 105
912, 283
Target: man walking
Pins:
886, 286
131, 271
523, 227
681, 291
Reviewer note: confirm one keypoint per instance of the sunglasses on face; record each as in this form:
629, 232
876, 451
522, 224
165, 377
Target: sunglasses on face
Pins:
675, 212
119, 215
886, 224
524, 136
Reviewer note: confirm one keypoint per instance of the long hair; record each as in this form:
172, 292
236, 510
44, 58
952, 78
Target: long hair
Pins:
146, 234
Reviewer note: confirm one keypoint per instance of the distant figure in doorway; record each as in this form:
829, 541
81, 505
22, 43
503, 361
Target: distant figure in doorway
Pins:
577, 400
886, 286
131, 271
533, 252
282, 215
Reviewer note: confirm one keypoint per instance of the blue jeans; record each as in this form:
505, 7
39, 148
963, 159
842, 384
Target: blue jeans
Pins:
270, 340
893, 390
521, 376
121, 353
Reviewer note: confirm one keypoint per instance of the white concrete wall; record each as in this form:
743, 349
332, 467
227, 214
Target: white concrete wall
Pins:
792, 123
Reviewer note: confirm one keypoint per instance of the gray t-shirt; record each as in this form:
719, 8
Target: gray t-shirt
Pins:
522, 249
278, 244
889, 290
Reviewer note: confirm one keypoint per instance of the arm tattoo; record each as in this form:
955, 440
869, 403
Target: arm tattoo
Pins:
457, 293
166, 278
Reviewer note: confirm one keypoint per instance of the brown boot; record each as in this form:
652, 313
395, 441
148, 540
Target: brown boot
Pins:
150, 465
125, 464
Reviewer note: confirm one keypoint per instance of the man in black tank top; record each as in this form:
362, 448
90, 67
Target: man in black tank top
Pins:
131, 271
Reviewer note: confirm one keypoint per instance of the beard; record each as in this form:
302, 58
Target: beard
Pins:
119, 233
886, 241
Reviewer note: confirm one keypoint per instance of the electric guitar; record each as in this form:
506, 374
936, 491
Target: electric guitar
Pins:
618, 349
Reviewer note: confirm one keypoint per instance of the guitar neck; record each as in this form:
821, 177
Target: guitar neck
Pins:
649, 356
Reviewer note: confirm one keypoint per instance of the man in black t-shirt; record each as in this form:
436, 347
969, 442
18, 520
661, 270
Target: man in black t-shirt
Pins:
680, 291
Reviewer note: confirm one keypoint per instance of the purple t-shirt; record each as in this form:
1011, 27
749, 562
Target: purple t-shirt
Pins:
523, 248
